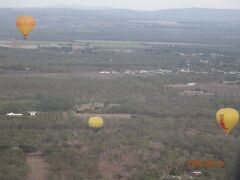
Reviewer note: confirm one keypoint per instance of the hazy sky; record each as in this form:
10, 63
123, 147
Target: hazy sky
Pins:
128, 4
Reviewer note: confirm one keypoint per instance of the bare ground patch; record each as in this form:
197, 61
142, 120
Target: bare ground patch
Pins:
107, 169
37, 167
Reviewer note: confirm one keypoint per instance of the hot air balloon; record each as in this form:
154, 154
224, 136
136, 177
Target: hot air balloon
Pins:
25, 25
95, 123
227, 119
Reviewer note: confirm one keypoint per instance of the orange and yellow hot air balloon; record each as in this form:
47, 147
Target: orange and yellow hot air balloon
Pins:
227, 119
25, 25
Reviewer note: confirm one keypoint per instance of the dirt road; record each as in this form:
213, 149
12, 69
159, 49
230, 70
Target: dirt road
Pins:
37, 167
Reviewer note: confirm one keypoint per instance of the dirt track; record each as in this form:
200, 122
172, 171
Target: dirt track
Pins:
107, 116
37, 167
107, 169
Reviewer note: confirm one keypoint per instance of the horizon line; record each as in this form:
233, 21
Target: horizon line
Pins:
113, 8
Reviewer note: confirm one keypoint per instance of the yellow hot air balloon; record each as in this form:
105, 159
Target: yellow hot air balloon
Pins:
96, 123
227, 119
25, 25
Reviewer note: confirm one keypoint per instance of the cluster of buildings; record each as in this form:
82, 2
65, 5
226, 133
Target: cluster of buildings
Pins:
89, 106
31, 113
165, 71
134, 72
93, 106
69, 48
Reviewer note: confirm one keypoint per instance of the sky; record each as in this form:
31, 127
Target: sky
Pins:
127, 4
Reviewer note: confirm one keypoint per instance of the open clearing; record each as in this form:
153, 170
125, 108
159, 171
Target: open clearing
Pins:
214, 88
107, 116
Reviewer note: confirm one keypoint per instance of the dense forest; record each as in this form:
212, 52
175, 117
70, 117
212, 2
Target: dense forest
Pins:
167, 129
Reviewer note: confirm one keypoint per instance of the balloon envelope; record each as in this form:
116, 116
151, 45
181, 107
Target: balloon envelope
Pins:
25, 25
95, 122
227, 119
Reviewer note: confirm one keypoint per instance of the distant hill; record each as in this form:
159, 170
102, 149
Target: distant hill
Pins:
121, 24
199, 14
189, 14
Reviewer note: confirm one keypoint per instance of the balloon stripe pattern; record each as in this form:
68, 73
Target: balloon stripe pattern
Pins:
95, 123
25, 24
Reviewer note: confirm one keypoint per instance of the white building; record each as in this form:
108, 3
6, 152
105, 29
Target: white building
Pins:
191, 84
104, 72
197, 173
143, 71
13, 114
185, 70
32, 113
